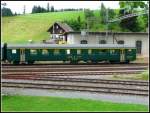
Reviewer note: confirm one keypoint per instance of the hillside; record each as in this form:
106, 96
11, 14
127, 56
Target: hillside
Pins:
20, 29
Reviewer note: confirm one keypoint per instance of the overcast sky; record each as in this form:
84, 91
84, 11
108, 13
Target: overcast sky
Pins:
17, 6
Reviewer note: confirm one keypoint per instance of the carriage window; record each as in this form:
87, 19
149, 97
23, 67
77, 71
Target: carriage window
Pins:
14, 51
130, 50
56, 51
120, 42
112, 51
102, 51
33, 51
83, 42
102, 42
68, 51
89, 51
45, 52
78, 52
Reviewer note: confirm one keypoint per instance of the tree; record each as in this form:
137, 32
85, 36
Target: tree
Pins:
103, 13
6, 12
111, 13
79, 19
4, 4
128, 7
88, 13
38, 9
75, 24
52, 9
15, 14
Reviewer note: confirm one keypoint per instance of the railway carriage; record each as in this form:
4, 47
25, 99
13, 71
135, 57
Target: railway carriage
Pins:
29, 53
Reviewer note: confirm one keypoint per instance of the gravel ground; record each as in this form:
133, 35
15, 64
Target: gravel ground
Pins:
77, 94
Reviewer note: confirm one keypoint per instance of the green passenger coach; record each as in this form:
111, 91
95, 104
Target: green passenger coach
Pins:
29, 53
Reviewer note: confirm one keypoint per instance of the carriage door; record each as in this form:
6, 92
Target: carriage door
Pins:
122, 55
22, 55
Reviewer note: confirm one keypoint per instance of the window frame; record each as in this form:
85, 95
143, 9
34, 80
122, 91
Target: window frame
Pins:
47, 53
32, 53
14, 51
83, 42
105, 42
118, 42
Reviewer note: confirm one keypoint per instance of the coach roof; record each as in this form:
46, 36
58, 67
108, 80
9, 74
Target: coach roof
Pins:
68, 46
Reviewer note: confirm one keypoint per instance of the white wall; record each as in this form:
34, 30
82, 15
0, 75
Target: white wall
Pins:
129, 39
132, 38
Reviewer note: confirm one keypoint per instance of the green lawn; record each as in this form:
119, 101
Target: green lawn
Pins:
34, 103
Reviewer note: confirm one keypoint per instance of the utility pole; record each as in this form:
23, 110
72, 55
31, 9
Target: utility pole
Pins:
107, 23
24, 9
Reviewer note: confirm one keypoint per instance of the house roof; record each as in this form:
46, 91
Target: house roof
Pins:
64, 26
92, 33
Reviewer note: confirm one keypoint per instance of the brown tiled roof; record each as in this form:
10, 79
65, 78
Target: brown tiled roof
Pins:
64, 26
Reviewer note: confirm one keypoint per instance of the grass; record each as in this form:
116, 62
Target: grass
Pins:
20, 29
34, 103
143, 76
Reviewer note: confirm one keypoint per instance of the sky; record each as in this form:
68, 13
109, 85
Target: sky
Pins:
17, 6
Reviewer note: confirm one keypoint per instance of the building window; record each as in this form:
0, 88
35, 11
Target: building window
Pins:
112, 51
57, 27
138, 46
102, 42
102, 51
83, 42
33, 51
120, 42
45, 52
14, 51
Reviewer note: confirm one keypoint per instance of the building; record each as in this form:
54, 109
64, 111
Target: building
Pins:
138, 39
59, 31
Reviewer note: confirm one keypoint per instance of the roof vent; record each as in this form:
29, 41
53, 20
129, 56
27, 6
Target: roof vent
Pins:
84, 32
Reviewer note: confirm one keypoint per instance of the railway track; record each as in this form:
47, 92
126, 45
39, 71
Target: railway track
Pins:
70, 73
66, 79
58, 77
72, 70
105, 86
77, 65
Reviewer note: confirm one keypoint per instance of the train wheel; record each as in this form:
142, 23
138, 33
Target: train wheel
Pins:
89, 62
127, 62
30, 62
16, 62
94, 62
73, 62
113, 62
